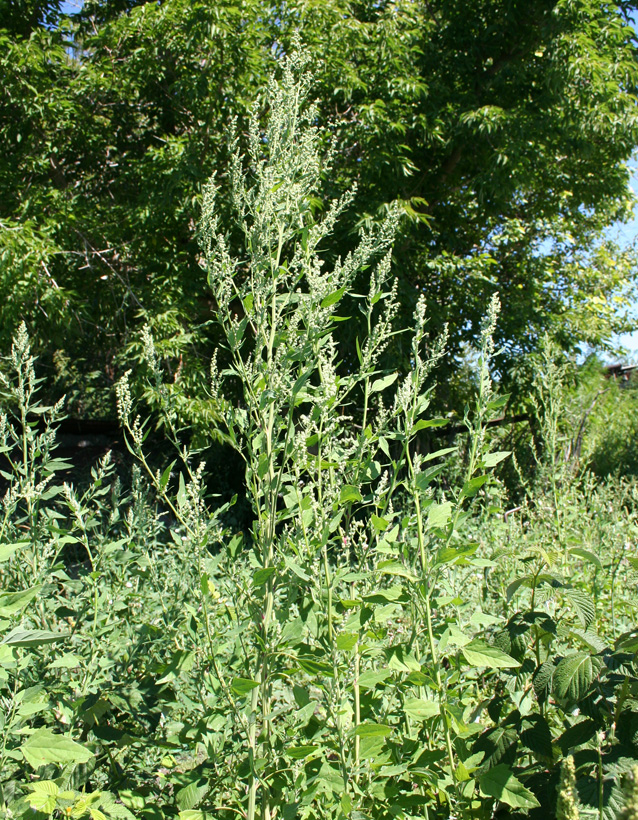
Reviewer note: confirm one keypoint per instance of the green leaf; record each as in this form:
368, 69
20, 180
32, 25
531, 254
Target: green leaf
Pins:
424, 424
242, 686
300, 752
190, 795
499, 782
471, 487
166, 476
479, 653
66, 661
438, 453
44, 746
584, 606
262, 575
44, 796
373, 730
498, 402
577, 735
439, 514
574, 675
299, 572
347, 641
448, 554
379, 524
333, 298
380, 384
12, 602
542, 680
536, 735
492, 459
7, 550
349, 493
587, 555
420, 709
32, 637
396, 568
373, 677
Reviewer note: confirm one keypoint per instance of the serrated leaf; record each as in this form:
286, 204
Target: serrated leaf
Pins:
479, 653
45, 746
190, 795
44, 796
576, 735
574, 675
499, 782
542, 679
584, 606
536, 735
497, 745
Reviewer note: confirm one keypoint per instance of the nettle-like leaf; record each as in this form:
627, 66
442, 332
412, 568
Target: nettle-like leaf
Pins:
536, 736
574, 675
498, 745
583, 604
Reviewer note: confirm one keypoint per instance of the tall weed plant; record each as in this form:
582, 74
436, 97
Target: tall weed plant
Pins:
376, 644
323, 625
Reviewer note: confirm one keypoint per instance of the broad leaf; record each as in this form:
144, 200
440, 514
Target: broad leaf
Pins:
500, 783
242, 686
380, 384
479, 653
421, 709
45, 746
574, 675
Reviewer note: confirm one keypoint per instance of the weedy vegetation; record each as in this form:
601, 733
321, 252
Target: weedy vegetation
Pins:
382, 641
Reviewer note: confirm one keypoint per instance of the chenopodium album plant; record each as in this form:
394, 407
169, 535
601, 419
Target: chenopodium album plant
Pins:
343, 667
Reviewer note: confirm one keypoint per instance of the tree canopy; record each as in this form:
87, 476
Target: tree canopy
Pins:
502, 128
